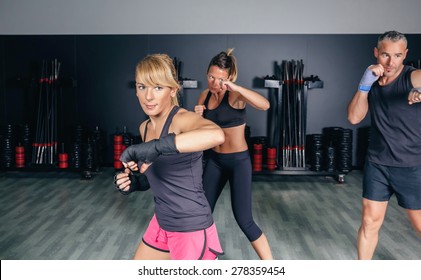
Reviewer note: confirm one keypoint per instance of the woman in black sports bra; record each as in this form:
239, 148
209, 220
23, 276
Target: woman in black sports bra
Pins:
224, 103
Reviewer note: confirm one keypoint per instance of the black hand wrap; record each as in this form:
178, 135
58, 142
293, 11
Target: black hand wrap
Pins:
138, 182
148, 152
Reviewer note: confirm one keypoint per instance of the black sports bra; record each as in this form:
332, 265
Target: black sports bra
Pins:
224, 115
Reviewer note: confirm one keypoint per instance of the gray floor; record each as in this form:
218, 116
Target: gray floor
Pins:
55, 215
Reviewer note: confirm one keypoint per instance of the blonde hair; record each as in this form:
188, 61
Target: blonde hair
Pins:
158, 69
226, 60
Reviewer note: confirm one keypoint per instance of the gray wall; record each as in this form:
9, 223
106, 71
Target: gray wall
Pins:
208, 17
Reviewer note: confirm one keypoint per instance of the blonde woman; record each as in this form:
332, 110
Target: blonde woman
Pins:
171, 158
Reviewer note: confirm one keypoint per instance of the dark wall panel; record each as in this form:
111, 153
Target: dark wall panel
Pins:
106, 66
2, 81
23, 56
101, 68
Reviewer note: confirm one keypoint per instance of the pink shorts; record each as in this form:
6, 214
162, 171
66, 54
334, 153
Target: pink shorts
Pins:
193, 245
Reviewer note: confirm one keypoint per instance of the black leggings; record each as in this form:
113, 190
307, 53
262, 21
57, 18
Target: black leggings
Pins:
236, 168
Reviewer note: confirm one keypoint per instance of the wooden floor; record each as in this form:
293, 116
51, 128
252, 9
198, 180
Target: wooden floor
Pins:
56, 215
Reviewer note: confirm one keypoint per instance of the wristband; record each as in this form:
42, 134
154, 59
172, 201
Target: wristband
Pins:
364, 88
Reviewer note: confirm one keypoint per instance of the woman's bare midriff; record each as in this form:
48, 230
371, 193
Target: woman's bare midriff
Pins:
234, 140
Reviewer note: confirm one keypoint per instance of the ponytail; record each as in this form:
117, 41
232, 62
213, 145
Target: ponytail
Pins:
226, 60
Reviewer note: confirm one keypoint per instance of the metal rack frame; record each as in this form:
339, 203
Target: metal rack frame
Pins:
295, 171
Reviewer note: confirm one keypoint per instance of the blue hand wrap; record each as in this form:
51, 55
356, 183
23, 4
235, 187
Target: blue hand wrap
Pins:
367, 80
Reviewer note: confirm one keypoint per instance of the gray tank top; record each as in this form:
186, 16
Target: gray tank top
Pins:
395, 138
176, 182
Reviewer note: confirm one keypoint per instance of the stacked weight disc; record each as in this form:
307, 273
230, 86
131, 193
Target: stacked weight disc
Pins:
329, 158
26, 142
271, 158
263, 140
315, 150
119, 147
20, 157
127, 138
7, 146
330, 151
330, 136
76, 155
344, 151
259, 152
98, 138
90, 160
63, 160
84, 153
257, 157
338, 142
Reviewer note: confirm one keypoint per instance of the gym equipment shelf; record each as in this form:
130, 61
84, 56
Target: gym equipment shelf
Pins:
282, 169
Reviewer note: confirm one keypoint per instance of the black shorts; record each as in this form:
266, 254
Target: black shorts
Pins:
381, 182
